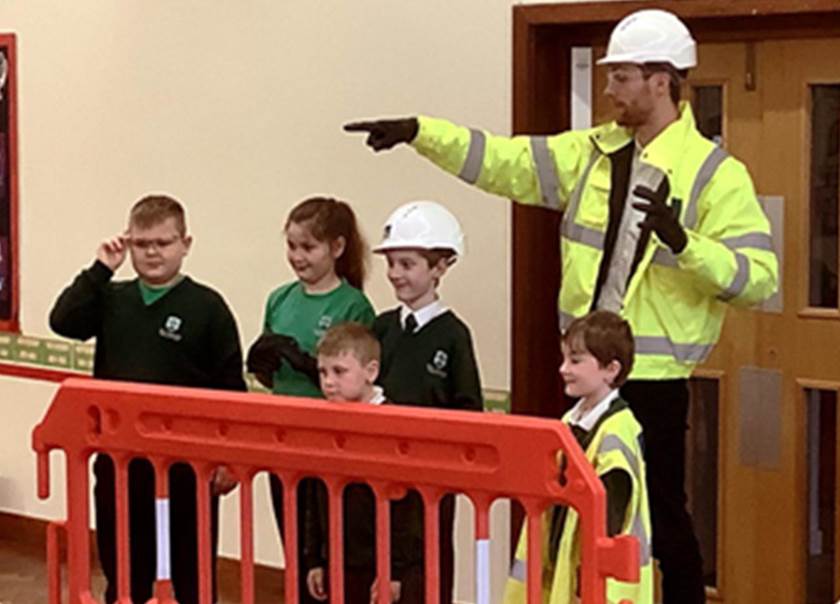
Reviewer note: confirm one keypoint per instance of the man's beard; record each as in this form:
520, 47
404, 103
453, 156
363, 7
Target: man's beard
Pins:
631, 116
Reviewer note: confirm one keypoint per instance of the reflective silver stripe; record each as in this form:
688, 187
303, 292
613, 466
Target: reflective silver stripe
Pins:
613, 443
585, 236
739, 282
686, 353
564, 320
475, 157
639, 532
577, 194
575, 232
664, 257
759, 241
518, 570
704, 175
546, 171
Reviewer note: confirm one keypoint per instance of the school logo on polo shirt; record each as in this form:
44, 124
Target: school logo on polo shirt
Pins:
324, 323
171, 328
438, 363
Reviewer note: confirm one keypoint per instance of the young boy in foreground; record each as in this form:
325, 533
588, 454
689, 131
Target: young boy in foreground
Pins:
597, 357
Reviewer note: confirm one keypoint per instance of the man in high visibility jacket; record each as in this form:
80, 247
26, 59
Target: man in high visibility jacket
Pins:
659, 225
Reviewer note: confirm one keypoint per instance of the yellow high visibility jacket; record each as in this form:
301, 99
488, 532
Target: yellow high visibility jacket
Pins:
616, 445
674, 303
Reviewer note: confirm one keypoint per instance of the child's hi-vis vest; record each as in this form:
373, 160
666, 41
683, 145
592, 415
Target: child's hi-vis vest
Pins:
616, 445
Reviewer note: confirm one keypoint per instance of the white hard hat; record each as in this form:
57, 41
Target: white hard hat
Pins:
425, 225
651, 36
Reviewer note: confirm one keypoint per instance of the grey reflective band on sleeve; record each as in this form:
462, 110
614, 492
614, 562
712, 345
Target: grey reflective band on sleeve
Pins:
685, 353
739, 282
758, 241
704, 175
546, 171
471, 169
664, 257
518, 570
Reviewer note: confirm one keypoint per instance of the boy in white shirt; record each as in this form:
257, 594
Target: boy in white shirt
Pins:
597, 358
348, 365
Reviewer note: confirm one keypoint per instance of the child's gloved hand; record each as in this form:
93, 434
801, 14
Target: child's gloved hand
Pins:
269, 351
298, 359
315, 583
265, 354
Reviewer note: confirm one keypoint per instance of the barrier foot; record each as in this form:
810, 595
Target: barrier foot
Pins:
163, 593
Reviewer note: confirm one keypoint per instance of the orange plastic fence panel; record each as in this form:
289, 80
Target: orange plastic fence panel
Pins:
484, 456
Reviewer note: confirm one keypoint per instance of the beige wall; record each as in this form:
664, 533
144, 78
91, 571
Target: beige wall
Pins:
235, 107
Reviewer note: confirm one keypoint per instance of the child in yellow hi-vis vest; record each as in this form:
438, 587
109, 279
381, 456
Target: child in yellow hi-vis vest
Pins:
597, 357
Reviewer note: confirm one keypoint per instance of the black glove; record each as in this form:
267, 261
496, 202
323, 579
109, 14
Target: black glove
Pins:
268, 352
299, 359
661, 218
384, 134
265, 355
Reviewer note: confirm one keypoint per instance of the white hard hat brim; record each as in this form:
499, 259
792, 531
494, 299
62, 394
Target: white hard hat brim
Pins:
634, 59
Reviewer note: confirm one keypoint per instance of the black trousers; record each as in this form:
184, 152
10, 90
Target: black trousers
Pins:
661, 407
413, 589
358, 581
183, 529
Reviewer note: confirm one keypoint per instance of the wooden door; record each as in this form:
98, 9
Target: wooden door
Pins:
767, 398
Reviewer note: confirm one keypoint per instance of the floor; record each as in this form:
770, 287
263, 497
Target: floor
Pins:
23, 578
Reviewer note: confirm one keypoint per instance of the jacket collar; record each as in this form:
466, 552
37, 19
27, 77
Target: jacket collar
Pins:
662, 151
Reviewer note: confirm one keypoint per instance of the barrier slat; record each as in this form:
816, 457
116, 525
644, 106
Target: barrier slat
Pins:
246, 519
123, 551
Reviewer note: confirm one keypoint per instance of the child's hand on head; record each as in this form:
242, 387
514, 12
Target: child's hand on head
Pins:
112, 251
315, 583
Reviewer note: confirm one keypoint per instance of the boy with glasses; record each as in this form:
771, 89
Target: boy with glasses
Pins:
161, 327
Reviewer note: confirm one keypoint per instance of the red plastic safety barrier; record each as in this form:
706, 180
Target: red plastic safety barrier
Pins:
483, 456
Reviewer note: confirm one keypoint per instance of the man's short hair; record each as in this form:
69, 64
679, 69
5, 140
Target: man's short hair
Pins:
151, 210
675, 75
605, 336
350, 337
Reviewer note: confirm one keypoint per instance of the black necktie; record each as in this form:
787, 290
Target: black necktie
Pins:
410, 324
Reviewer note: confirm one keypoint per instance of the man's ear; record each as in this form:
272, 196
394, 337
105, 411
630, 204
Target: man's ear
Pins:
187, 243
662, 82
372, 371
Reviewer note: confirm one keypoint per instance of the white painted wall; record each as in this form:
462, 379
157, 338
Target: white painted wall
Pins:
236, 108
